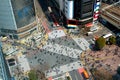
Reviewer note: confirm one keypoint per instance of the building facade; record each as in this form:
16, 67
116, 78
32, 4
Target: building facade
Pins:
17, 18
77, 12
4, 71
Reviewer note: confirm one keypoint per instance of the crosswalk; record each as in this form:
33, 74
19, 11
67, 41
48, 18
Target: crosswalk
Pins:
66, 51
82, 43
45, 25
63, 69
56, 34
61, 49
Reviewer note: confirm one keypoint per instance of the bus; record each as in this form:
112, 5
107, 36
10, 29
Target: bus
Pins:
107, 35
83, 72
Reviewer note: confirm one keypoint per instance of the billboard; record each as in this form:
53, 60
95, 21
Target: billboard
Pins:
96, 10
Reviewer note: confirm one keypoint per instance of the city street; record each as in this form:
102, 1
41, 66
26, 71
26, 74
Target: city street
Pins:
54, 51
45, 16
59, 54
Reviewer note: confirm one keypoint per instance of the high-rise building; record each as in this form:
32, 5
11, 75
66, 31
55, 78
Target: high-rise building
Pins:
77, 12
17, 18
4, 71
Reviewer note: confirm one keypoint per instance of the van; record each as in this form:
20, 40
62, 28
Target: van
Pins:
89, 33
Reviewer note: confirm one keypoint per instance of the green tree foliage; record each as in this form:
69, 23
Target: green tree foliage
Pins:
32, 75
100, 43
112, 40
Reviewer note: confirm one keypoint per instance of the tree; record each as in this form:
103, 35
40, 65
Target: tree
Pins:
32, 75
112, 40
118, 70
41, 75
118, 41
68, 78
100, 43
102, 74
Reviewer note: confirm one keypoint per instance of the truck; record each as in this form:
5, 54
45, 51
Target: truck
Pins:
107, 35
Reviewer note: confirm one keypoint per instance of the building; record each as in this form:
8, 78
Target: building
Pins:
17, 18
110, 1
77, 12
4, 71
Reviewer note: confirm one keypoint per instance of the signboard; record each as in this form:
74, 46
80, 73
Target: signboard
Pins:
96, 10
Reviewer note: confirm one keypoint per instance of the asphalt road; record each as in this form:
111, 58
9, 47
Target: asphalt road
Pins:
43, 4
